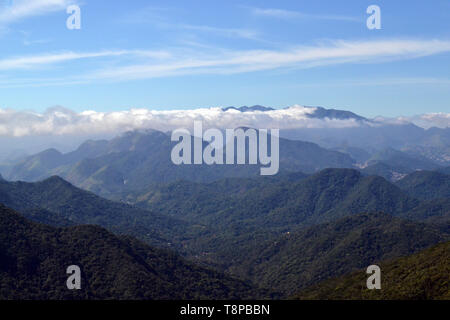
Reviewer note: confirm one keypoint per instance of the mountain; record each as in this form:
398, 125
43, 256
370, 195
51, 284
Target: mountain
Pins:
359, 154
438, 154
445, 170
57, 202
426, 185
389, 172
323, 113
136, 160
421, 276
376, 135
394, 165
1, 178
236, 225
35, 258
215, 217
234, 214
37, 167
319, 112
435, 145
298, 259
435, 211
249, 109
284, 203
401, 159
40, 164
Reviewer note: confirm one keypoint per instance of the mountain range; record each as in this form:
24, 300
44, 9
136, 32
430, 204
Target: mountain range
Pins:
283, 232
248, 217
141, 227
329, 128
137, 160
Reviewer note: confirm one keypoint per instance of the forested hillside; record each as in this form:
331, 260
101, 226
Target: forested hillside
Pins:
284, 232
422, 276
34, 259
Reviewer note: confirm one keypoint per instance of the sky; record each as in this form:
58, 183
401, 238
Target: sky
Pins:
168, 55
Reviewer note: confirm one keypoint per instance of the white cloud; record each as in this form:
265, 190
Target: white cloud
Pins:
141, 64
289, 14
46, 59
61, 121
378, 82
229, 62
28, 62
440, 120
158, 17
21, 9
426, 121
276, 13
226, 32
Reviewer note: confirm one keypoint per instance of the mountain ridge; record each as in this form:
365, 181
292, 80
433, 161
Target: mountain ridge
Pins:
137, 159
298, 259
35, 257
421, 276
70, 205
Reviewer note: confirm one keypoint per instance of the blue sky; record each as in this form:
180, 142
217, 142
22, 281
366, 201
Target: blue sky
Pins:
184, 54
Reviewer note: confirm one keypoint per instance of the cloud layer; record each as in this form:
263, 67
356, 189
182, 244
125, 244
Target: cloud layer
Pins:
61, 121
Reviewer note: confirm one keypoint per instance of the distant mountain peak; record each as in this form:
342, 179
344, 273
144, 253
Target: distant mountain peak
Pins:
140, 131
322, 113
56, 180
316, 112
249, 109
50, 152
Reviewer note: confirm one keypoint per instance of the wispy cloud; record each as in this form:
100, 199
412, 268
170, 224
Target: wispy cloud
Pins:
229, 62
28, 41
21, 9
160, 18
227, 32
29, 62
378, 82
289, 14
135, 64
147, 15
